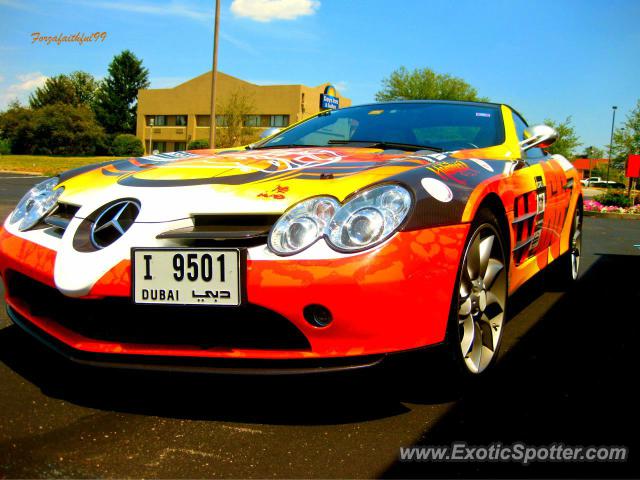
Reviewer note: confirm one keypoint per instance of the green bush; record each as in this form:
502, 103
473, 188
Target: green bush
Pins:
198, 144
56, 129
5, 146
614, 199
126, 144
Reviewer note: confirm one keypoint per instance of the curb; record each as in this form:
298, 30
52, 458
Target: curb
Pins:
23, 172
618, 216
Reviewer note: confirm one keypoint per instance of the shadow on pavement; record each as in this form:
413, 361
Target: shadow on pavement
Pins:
571, 379
319, 399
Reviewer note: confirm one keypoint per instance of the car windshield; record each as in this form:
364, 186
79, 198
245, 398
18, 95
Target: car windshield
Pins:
436, 126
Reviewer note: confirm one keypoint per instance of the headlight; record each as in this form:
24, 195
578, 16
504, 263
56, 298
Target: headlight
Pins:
369, 218
302, 225
37, 202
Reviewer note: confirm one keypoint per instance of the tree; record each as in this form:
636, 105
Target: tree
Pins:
58, 89
57, 129
77, 88
17, 126
593, 152
116, 99
85, 86
567, 141
626, 139
5, 146
234, 128
425, 84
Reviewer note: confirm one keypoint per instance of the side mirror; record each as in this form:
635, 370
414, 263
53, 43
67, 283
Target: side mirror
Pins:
269, 132
541, 136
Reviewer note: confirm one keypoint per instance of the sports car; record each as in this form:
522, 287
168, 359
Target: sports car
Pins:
338, 243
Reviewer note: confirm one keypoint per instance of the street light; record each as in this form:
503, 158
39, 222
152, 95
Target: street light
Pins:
151, 122
589, 155
613, 121
214, 72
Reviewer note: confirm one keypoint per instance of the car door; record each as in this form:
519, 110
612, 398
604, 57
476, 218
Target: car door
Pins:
550, 197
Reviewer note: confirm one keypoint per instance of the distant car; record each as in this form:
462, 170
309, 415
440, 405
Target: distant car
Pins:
605, 184
587, 181
337, 243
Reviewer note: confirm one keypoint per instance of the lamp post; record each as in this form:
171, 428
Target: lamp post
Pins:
151, 122
613, 121
214, 72
589, 155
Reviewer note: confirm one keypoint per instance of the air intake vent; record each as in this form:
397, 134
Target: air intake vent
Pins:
61, 216
236, 230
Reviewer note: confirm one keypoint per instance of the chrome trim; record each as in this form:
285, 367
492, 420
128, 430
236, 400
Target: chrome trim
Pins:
105, 221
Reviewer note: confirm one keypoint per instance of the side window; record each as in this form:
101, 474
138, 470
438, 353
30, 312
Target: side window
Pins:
533, 154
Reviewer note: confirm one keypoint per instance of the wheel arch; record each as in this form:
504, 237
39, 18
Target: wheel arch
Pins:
492, 202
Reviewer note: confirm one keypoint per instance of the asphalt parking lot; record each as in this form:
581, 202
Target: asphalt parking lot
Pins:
567, 374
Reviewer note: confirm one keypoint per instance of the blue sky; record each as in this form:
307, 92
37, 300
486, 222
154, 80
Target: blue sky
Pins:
548, 59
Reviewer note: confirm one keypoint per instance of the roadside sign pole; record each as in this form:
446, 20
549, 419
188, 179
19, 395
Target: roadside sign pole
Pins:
613, 121
214, 73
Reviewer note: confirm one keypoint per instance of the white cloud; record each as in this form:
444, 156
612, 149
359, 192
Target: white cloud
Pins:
267, 10
14, 4
341, 86
20, 90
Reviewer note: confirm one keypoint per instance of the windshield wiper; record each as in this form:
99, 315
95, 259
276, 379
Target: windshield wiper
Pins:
291, 145
383, 145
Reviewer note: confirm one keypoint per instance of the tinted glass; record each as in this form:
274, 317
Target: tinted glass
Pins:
447, 126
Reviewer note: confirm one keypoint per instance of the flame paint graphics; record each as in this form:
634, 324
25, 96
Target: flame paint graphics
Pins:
234, 168
449, 171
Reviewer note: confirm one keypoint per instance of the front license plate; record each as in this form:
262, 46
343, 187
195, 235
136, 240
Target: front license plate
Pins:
186, 276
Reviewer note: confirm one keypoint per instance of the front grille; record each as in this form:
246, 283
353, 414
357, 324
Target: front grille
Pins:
120, 320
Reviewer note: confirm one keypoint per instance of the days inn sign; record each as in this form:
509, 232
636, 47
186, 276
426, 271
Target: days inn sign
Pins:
328, 99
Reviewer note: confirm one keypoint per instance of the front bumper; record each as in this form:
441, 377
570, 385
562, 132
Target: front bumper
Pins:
393, 298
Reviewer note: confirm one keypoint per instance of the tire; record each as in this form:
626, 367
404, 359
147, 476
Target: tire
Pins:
479, 303
563, 273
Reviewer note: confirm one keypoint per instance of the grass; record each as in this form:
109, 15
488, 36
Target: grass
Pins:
45, 165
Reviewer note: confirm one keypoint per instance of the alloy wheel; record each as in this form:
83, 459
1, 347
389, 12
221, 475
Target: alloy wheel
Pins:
576, 244
482, 299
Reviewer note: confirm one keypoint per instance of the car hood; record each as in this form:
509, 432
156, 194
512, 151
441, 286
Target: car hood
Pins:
178, 185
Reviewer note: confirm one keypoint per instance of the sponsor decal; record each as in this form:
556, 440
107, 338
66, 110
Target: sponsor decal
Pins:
449, 170
167, 157
541, 202
277, 193
437, 189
